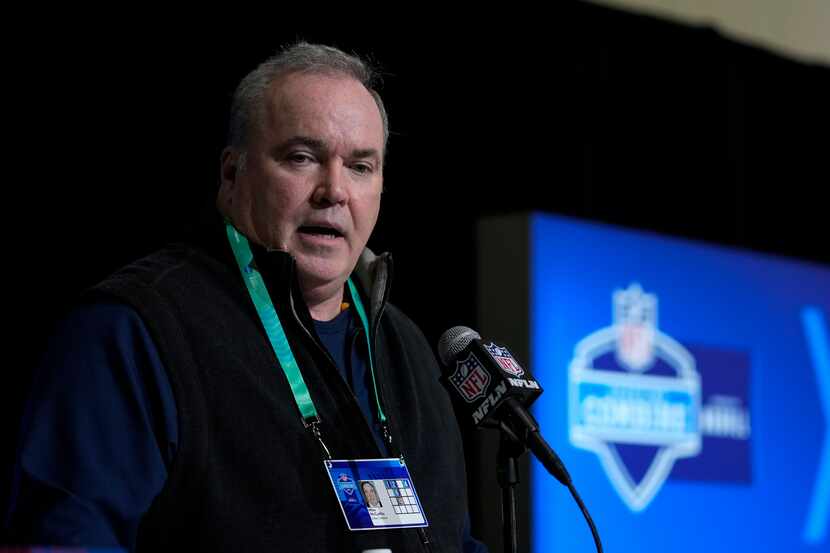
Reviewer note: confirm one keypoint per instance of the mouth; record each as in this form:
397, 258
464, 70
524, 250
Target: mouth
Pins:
320, 230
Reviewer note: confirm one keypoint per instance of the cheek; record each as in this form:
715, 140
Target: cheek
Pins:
277, 191
276, 203
368, 212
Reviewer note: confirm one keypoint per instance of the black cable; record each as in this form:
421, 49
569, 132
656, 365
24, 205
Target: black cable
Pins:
550, 460
587, 516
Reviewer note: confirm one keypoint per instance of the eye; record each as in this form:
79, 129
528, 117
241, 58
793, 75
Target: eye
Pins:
300, 158
363, 168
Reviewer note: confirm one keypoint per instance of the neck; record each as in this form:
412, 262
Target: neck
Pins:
324, 305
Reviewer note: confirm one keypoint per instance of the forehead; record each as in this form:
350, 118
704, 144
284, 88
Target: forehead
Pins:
333, 108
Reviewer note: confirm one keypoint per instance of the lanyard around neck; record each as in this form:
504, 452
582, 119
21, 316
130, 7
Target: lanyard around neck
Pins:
276, 335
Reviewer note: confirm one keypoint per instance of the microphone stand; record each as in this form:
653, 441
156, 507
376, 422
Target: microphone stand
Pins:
507, 473
511, 448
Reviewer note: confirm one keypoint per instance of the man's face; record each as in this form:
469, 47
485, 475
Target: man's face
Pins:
369, 493
312, 180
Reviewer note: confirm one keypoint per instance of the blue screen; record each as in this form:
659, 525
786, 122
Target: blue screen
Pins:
687, 390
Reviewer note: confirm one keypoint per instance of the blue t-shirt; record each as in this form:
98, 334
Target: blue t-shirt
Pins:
345, 341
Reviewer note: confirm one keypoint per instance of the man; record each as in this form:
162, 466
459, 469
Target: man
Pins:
192, 400
370, 495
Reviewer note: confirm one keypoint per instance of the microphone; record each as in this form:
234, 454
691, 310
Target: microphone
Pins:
495, 391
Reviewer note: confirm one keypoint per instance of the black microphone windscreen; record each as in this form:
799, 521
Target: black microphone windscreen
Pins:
453, 342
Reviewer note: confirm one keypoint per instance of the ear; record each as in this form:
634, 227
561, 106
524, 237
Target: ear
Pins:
228, 172
229, 167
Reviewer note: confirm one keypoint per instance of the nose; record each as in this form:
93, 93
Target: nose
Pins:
332, 188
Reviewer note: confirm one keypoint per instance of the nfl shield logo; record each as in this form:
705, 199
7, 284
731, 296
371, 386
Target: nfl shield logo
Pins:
470, 379
635, 321
505, 359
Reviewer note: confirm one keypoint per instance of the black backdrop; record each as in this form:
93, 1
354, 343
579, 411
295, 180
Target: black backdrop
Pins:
586, 111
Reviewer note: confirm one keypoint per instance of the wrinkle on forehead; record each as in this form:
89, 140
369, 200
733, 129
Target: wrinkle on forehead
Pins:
337, 110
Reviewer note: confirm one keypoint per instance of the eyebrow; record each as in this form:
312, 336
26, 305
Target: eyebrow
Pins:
320, 146
313, 143
364, 153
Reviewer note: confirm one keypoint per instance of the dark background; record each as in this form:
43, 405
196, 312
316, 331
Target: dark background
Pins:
584, 111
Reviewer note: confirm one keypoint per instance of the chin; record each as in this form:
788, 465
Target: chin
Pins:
315, 273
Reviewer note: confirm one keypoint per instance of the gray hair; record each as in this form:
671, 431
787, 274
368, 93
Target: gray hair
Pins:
302, 57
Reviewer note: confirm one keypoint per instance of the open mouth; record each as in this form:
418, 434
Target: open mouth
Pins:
320, 231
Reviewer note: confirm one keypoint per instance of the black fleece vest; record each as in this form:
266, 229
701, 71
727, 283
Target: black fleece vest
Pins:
248, 476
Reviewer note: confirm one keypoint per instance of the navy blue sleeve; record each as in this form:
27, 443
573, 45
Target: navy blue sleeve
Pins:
99, 432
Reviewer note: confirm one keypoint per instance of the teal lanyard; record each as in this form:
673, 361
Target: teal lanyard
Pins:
276, 334
358, 305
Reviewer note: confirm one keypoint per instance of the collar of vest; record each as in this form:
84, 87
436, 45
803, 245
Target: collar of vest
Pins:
372, 274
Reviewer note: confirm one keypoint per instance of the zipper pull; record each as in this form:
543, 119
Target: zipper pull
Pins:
425, 539
387, 436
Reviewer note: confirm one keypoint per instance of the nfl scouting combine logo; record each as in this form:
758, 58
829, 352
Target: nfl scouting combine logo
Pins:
635, 398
